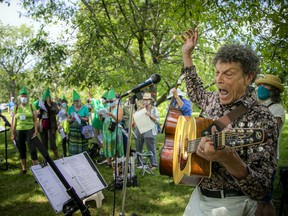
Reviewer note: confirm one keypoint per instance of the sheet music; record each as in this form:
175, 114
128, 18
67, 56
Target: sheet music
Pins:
79, 171
103, 112
76, 117
41, 105
143, 121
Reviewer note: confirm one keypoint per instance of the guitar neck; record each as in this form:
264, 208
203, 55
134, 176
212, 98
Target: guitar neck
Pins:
234, 138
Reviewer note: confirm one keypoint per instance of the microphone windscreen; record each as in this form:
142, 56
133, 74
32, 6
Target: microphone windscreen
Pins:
155, 78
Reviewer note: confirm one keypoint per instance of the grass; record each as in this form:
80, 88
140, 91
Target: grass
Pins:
155, 195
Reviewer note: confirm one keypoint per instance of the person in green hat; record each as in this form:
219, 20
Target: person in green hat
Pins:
110, 129
104, 98
96, 123
63, 125
78, 116
24, 126
49, 123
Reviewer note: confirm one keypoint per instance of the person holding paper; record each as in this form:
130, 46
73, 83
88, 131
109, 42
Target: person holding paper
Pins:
48, 113
146, 120
111, 131
63, 125
96, 122
23, 128
78, 115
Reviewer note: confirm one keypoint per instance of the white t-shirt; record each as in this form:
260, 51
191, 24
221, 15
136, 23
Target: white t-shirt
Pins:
279, 112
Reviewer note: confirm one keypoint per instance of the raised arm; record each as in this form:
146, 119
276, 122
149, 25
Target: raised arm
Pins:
190, 38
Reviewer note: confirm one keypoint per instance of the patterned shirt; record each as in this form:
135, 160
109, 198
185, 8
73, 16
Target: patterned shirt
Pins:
260, 159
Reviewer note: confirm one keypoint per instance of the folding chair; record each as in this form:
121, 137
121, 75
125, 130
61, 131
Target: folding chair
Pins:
144, 160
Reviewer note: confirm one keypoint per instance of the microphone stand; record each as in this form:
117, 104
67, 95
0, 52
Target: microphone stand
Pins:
132, 102
75, 202
7, 124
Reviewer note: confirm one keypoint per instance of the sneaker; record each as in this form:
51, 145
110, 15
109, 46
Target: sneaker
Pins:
153, 168
22, 172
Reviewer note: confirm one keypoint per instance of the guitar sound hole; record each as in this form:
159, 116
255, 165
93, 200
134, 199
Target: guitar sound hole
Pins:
183, 163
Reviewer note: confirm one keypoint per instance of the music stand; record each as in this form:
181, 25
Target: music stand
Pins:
6, 164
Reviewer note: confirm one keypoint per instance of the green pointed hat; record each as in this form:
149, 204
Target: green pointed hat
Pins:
46, 94
111, 94
35, 104
23, 91
63, 98
75, 96
105, 95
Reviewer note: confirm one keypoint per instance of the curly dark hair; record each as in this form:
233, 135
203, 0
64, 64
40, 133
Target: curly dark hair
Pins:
245, 55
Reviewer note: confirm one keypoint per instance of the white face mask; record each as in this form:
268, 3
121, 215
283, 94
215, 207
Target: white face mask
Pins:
63, 105
24, 100
111, 104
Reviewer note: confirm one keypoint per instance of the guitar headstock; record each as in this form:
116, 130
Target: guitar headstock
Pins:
239, 137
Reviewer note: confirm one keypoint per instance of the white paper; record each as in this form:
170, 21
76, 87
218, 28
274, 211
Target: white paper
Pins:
143, 121
103, 112
79, 171
100, 138
62, 133
76, 117
42, 105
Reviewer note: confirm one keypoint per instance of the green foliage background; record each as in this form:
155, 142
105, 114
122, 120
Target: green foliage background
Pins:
122, 43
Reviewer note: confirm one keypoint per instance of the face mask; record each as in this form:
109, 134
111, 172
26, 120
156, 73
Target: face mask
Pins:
263, 93
24, 100
63, 105
111, 104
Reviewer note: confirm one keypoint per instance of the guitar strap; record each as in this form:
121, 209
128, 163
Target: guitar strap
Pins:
223, 121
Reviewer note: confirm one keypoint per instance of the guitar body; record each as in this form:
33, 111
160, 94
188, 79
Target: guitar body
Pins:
189, 168
166, 155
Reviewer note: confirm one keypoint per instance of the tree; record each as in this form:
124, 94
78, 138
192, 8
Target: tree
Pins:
14, 54
120, 43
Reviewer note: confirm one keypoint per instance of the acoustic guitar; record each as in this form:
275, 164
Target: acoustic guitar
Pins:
188, 167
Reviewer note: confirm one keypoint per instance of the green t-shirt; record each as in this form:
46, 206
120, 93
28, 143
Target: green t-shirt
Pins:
24, 117
83, 111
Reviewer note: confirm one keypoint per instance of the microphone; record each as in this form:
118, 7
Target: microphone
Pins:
155, 78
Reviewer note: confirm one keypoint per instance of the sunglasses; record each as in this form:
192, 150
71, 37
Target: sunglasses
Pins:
110, 101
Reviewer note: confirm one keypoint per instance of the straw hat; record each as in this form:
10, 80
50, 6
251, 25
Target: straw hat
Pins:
180, 93
147, 96
270, 80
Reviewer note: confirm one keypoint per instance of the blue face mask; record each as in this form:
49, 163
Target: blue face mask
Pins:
263, 93
63, 105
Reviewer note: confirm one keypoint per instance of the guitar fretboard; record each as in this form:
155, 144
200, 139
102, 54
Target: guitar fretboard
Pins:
235, 138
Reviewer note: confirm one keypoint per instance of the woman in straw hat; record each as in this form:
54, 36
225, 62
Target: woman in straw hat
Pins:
268, 91
148, 137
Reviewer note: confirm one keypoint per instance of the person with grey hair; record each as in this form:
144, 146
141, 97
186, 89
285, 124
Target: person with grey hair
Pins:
241, 175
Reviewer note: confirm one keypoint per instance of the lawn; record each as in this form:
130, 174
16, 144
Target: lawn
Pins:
154, 195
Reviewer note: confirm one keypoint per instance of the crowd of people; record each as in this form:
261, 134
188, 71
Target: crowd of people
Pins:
241, 181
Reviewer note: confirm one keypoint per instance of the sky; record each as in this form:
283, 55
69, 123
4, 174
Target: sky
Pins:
10, 15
